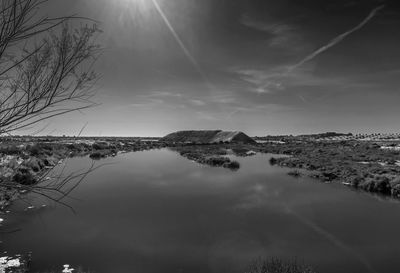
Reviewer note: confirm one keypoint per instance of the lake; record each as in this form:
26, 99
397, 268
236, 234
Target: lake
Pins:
155, 211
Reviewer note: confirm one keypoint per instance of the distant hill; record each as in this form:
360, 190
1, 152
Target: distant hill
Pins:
207, 137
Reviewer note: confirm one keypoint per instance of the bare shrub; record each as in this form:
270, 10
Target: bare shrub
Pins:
45, 64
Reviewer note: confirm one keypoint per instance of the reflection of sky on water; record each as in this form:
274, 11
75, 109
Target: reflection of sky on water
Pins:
156, 211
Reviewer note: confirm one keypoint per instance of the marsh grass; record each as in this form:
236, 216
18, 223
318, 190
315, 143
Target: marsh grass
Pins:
295, 173
78, 270
276, 265
232, 165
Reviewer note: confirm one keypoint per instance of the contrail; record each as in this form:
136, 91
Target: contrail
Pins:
336, 40
182, 45
330, 237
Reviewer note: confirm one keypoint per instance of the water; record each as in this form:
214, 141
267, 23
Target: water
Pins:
158, 212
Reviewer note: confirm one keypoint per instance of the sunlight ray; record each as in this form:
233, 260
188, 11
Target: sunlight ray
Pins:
185, 50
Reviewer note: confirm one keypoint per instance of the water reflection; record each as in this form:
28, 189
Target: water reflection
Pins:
158, 212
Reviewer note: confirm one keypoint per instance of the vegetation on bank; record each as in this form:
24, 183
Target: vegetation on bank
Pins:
365, 165
362, 165
24, 164
20, 264
270, 265
47, 71
276, 265
15, 264
295, 173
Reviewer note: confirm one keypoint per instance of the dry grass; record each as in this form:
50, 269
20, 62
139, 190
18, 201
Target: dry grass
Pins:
276, 265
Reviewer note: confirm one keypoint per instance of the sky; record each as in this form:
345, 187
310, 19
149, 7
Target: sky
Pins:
263, 67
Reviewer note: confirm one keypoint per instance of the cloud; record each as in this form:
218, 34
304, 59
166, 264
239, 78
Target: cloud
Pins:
206, 116
277, 28
162, 94
223, 99
270, 80
283, 35
176, 99
273, 80
152, 99
255, 107
142, 103
336, 40
197, 102
262, 81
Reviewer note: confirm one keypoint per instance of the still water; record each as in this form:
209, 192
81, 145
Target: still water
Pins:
155, 211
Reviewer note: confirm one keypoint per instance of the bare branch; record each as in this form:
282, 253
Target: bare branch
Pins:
56, 72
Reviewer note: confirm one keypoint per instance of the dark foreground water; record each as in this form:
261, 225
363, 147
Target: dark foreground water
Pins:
158, 212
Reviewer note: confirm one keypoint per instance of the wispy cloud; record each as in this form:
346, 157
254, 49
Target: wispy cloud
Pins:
143, 103
206, 116
282, 34
258, 108
263, 81
336, 40
197, 102
223, 99
153, 99
274, 28
169, 99
268, 81
272, 79
155, 94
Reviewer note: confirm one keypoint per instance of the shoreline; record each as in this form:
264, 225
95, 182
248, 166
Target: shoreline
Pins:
320, 160
26, 164
365, 166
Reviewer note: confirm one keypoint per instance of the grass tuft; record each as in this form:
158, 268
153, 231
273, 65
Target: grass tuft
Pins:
276, 265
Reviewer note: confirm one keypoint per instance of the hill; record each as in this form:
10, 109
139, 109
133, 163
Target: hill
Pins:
207, 137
